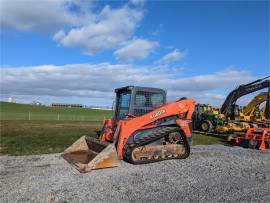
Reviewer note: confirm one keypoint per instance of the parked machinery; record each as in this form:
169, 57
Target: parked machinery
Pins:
144, 129
231, 118
206, 118
263, 116
253, 112
229, 106
255, 138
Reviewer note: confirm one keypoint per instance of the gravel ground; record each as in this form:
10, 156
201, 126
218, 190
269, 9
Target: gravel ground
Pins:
211, 174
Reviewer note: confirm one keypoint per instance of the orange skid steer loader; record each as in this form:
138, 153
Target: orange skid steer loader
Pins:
144, 129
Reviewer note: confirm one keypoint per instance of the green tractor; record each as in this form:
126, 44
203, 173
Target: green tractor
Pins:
206, 118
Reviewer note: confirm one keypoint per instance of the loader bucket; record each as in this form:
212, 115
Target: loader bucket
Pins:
88, 153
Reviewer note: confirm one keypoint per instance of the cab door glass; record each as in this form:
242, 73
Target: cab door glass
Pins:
124, 103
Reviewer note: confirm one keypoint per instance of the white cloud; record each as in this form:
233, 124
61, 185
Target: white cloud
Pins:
42, 16
111, 28
59, 35
97, 81
135, 49
74, 23
175, 55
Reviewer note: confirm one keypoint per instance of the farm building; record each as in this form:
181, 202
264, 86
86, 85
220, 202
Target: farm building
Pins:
66, 105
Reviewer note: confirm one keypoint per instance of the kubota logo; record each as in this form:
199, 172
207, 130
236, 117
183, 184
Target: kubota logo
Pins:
162, 111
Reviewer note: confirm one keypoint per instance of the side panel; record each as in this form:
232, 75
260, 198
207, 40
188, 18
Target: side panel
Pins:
182, 108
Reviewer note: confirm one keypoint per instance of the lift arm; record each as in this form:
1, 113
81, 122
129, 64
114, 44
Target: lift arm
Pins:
228, 106
262, 97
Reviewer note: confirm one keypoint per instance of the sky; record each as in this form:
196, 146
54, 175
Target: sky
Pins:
77, 51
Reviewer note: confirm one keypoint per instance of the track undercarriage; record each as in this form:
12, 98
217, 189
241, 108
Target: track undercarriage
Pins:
173, 145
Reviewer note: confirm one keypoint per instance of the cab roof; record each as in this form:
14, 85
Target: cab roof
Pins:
138, 88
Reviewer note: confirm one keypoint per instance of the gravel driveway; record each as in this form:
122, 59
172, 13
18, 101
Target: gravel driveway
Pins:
211, 174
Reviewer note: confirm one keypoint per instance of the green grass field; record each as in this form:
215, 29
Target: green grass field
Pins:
12, 111
20, 136
38, 137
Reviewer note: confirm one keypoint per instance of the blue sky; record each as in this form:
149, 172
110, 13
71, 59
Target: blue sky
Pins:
200, 49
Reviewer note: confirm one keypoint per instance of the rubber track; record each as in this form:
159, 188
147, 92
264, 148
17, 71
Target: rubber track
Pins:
129, 147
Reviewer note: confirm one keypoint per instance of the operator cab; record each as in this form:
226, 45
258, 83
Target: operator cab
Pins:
136, 101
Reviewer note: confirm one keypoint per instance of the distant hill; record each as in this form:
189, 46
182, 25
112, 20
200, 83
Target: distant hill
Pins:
14, 111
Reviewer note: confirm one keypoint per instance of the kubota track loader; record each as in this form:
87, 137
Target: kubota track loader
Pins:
144, 129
